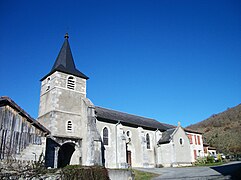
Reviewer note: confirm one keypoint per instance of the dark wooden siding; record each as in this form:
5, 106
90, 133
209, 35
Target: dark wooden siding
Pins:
16, 133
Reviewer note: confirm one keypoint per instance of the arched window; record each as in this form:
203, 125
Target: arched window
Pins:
105, 136
148, 146
71, 82
181, 141
128, 133
69, 126
48, 84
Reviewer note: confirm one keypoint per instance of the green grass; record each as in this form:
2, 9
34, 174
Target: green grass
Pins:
211, 164
140, 175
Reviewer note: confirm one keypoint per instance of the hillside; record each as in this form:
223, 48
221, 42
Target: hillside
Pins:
222, 130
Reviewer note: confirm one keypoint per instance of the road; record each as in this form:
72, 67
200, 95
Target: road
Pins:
227, 171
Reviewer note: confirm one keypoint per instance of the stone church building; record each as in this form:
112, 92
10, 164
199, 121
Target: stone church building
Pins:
78, 132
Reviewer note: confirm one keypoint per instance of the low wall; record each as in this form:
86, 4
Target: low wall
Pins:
123, 174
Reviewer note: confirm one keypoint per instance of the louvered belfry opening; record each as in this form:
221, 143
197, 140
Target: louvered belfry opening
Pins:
71, 83
69, 126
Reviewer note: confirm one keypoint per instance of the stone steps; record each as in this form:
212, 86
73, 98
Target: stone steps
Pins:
31, 152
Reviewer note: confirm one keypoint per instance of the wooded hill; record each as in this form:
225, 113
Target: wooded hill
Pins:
222, 130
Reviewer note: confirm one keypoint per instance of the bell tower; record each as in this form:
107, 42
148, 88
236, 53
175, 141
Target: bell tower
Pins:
68, 114
61, 92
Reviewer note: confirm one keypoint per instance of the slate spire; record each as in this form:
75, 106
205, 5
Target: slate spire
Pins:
65, 62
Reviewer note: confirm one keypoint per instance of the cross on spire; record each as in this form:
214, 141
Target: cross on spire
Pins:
66, 36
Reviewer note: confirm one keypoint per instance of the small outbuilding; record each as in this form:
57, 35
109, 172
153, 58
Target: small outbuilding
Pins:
174, 148
21, 136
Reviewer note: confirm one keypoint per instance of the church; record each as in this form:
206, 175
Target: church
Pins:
72, 130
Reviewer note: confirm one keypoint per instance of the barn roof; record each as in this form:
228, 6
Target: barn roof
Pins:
113, 116
65, 62
4, 101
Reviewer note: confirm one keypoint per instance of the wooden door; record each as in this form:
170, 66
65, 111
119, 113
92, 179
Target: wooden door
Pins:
195, 154
129, 158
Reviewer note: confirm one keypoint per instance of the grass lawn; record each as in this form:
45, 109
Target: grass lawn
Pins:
211, 164
140, 175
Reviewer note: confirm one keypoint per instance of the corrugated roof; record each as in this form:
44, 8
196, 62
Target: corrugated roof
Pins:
4, 100
65, 62
104, 114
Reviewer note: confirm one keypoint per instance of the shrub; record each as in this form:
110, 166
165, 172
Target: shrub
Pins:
219, 157
201, 161
226, 128
81, 172
210, 159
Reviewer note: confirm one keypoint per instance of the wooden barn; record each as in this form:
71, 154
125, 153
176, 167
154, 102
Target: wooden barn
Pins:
21, 137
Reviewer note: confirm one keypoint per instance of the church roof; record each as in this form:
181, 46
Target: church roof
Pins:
112, 116
65, 62
166, 136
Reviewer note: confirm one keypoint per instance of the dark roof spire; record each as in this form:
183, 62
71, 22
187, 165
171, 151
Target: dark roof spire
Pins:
65, 62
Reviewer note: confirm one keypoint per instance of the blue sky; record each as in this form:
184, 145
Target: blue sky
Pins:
163, 59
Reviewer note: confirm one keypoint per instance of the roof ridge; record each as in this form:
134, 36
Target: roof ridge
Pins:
171, 129
127, 113
104, 114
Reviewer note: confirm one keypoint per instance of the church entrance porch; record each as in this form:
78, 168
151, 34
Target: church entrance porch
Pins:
65, 153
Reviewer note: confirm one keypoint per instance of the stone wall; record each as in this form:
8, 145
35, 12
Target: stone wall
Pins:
25, 171
117, 174
165, 154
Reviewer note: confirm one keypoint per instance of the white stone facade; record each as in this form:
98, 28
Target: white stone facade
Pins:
176, 152
123, 139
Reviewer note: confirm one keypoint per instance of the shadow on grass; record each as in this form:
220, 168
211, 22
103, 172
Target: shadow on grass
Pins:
231, 170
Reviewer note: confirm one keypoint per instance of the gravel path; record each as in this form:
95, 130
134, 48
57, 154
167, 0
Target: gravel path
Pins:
217, 172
